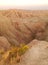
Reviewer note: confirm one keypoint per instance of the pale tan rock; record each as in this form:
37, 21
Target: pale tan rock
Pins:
36, 55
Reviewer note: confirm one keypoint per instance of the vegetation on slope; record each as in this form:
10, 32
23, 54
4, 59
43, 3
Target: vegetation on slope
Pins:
14, 54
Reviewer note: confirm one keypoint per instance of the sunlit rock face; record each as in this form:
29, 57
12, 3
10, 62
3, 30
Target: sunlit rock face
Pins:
36, 55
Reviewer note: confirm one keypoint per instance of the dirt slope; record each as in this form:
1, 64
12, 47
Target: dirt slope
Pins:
4, 44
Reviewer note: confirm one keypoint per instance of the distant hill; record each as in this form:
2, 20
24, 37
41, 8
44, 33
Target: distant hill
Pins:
24, 30
19, 30
14, 13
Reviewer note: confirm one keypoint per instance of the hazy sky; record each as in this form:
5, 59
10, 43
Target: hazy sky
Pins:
24, 4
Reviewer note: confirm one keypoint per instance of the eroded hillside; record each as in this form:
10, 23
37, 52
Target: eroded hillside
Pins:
22, 27
23, 32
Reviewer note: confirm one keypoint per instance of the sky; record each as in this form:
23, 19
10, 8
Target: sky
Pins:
24, 4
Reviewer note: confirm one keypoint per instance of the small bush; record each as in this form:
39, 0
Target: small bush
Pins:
15, 52
23, 49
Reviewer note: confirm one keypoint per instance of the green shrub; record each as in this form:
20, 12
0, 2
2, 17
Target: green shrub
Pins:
23, 49
15, 53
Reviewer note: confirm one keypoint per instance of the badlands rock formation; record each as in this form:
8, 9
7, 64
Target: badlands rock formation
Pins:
23, 27
36, 55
